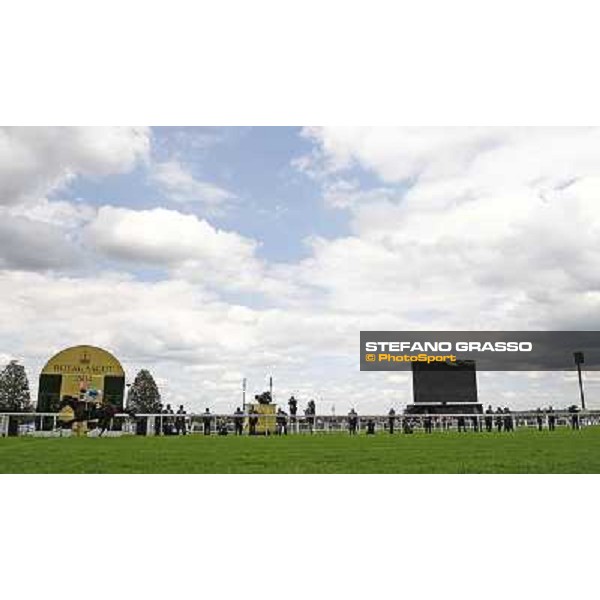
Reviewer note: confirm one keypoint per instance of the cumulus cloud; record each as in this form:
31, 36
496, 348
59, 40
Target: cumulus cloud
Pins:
37, 233
181, 242
161, 235
32, 245
188, 248
42, 235
476, 227
477, 157
35, 161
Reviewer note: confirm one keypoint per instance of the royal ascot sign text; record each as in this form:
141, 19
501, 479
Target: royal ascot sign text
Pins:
491, 350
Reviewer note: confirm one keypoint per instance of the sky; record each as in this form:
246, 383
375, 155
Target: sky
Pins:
210, 254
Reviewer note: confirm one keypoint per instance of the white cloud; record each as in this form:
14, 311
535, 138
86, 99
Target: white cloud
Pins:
183, 243
32, 245
476, 157
166, 236
189, 248
181, 186
61, 213
41, 234
34, 161
37, 233
490, 227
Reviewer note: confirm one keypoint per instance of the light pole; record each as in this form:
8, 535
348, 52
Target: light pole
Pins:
578, 356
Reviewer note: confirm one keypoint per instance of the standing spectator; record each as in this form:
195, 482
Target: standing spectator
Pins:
180, 426
499, 419
293, 404
238, 421
551, 419
281, 422
171, 419
428, 424
307, 418
539, 417
574, 417
252, 421
391, 420
489, 422
310, 413
166, 420
352, 421
509, 424
370, 427
462, 425
206, 421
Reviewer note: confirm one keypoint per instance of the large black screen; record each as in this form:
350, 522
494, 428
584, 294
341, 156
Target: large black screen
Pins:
444, 382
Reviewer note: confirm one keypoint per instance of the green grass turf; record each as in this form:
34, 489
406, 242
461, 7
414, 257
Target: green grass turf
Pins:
525, 451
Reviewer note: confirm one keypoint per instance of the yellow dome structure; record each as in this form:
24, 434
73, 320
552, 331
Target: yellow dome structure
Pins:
78, 368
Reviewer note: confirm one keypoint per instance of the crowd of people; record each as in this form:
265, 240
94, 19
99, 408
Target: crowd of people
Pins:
168, 422
501, 419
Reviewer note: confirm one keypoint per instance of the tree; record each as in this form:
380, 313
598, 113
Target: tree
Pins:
14, 389
143, 395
